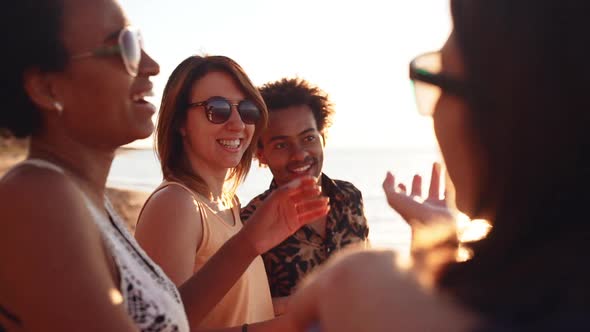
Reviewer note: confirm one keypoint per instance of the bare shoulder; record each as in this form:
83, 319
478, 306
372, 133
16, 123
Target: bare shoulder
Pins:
52, 251
170, 230
172, 193
170, 213
33, 196
172, 204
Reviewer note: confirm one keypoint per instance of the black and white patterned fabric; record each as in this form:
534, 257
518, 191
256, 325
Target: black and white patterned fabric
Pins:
151, 299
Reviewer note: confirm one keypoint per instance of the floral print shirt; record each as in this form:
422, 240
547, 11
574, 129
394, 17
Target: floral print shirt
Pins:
294, 258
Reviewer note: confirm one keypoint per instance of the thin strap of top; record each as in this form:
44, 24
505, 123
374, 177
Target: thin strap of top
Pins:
150, 298
163, 185
38, 163
193, 193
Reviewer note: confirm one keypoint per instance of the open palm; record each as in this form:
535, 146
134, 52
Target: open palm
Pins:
284, 212
413, 207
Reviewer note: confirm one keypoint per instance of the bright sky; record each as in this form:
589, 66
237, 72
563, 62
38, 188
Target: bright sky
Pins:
356, 51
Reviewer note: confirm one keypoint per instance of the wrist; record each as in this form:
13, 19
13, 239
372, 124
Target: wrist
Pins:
244, 240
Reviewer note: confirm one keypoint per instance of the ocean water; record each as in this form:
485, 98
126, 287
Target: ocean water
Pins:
365, 168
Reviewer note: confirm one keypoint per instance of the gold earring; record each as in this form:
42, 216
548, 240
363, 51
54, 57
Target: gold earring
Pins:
58, 107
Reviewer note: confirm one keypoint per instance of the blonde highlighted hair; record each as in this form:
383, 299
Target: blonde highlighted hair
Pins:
173, 114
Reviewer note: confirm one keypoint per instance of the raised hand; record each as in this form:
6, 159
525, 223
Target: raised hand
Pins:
415, 209
291, 206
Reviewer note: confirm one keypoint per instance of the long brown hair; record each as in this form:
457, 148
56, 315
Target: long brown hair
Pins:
173, 113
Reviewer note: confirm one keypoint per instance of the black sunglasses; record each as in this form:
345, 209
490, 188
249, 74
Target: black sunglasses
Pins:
218, 110
429, 82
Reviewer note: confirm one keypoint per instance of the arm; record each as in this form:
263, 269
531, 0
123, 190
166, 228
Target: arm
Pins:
280, 305
281, 324
170, 230
281, 215
56, 274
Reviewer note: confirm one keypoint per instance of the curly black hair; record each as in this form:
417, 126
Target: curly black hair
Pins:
289, 92
36, 43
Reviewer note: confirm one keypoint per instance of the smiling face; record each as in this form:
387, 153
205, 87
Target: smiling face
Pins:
214, 147
103, 104
292, 146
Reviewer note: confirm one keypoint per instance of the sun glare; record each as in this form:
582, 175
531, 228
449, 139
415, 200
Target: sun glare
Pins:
358, 52
472, 230
115, 296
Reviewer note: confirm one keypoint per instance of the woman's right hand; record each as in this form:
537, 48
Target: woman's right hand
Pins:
289, 207
412, 207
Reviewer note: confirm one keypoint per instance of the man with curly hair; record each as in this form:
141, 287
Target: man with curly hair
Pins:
293, 146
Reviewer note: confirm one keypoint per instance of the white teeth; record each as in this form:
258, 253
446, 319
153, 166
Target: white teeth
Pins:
140, 96
302, 169
230, 143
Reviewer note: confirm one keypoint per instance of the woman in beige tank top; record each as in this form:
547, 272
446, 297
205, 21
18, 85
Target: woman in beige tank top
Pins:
209, 116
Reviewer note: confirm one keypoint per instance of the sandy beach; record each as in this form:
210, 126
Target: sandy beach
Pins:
127, 202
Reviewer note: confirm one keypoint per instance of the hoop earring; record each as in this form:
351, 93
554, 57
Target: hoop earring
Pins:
58, 107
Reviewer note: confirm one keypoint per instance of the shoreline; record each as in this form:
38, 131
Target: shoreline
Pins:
127, 202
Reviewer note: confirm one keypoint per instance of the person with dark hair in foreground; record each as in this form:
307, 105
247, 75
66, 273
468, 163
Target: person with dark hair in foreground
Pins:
511, 115
293, 146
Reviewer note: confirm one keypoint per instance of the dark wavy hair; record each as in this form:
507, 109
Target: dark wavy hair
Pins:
528, 75
31, 33
289, 92
173, 113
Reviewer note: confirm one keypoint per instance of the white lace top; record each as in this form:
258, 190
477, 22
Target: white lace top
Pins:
151, 299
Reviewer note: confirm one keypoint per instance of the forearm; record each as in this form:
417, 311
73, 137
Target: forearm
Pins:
280, 305
282, 324
208, 286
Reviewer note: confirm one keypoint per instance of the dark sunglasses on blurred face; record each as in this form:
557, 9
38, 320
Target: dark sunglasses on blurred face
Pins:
429, 82
129, 46
218, 110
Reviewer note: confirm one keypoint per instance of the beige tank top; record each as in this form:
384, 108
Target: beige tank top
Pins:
249, 300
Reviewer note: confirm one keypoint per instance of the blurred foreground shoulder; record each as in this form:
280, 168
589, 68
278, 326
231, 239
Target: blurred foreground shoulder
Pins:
382, 296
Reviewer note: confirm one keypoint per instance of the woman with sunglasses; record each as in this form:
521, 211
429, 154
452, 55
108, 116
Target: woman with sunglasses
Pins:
209, 117
74, 83
507, 94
